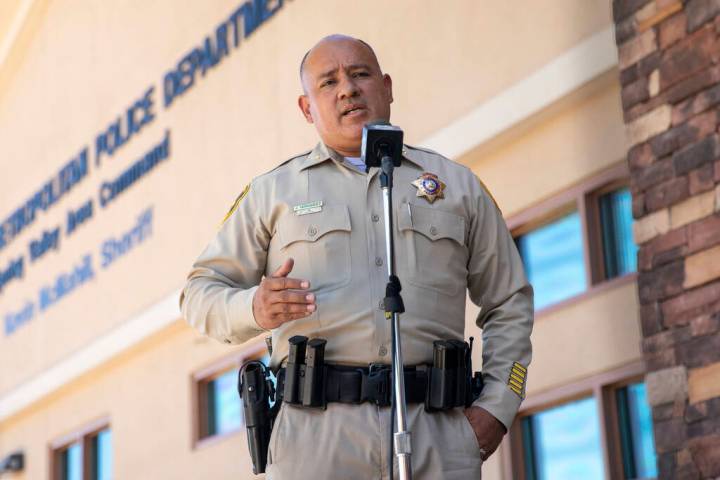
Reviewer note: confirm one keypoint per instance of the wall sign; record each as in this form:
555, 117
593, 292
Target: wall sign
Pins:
141, 112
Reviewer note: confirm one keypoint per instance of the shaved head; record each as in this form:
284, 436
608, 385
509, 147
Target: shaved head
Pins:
343, 89
336, 37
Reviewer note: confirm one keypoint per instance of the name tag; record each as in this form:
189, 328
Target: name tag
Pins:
310, 207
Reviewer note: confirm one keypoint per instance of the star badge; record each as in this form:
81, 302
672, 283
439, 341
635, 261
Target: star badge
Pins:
429, 186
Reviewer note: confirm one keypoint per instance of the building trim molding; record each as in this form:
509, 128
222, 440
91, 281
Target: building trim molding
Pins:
130, 333
7, 43
563, 75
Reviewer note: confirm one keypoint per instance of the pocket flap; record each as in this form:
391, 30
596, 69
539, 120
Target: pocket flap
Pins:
310, 227
432, 223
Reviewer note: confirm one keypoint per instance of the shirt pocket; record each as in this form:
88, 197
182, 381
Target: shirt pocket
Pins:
320, 245
436, 253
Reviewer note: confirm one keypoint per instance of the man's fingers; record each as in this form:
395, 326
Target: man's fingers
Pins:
283, 283
289, 308
285, 268
290, 296
282, 299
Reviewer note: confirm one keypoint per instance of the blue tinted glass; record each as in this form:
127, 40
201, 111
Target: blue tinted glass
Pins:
553, 260
102, 445
227, 409
619, 249
566, 442
643, 441
72, 462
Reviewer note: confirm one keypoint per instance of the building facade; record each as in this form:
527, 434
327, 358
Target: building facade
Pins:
127, 130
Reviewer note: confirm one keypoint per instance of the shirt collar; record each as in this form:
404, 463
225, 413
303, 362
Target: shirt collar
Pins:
322, 153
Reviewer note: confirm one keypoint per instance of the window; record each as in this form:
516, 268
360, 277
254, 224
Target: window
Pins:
564, 442
600, 427
619, 249
218, 408
224, 408
553, 260
101, 455
71, 462
636, 432
579, 239
84, 455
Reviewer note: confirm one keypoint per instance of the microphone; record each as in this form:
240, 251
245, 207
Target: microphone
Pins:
381, 139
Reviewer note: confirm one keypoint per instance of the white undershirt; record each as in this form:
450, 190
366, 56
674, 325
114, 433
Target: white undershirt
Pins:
356, 162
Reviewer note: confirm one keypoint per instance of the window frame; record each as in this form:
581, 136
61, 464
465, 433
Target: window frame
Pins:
199, 381
615, 446
603, 388
595, 238
83, 436
583, 198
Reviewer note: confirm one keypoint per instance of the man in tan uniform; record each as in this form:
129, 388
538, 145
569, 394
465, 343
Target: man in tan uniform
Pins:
319, 217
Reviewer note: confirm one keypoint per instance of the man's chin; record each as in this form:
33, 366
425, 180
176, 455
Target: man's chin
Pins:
357, 119
353, 131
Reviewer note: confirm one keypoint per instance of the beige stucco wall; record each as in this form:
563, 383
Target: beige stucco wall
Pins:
580, 137
146, 394
81, 63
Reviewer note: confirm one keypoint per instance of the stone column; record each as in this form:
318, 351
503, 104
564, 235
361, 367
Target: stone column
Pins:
669, 62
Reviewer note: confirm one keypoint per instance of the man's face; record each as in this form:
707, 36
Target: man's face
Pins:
344, 89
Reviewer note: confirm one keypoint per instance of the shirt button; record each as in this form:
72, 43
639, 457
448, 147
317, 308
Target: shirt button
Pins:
378, 261
433, 231
382, 351
375, 217
312, 231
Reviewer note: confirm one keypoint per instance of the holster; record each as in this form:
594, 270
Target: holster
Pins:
256, 390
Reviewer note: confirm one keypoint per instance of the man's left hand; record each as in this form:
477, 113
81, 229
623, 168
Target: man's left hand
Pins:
489, 431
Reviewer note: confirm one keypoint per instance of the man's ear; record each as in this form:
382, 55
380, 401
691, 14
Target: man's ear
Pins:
304, 105
387, 81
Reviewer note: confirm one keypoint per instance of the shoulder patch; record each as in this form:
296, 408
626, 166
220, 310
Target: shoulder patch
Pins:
236, 204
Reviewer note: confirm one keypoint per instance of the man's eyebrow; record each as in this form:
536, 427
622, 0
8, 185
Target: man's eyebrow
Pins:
328, 73
358, 66
354, 66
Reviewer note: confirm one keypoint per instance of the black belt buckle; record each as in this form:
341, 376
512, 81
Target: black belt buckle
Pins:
376, 386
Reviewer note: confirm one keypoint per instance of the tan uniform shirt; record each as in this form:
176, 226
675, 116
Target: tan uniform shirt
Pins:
457, 243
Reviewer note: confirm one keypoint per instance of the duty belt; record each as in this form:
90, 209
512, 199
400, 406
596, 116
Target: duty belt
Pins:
346, 384
308, 381
373, 384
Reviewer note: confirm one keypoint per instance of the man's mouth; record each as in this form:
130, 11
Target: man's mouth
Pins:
352, 109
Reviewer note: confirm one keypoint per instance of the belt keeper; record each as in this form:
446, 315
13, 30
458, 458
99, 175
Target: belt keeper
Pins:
377, 385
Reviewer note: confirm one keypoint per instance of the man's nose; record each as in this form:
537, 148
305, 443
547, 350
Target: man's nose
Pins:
348, 87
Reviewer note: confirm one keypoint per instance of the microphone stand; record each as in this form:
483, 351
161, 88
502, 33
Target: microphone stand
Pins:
381, 147
393, 307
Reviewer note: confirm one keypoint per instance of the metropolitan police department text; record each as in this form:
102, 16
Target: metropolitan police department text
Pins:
189, 70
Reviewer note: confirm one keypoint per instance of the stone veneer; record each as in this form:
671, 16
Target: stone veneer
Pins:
669, 61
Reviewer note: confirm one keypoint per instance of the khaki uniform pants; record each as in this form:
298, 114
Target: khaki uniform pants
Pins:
350, 442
